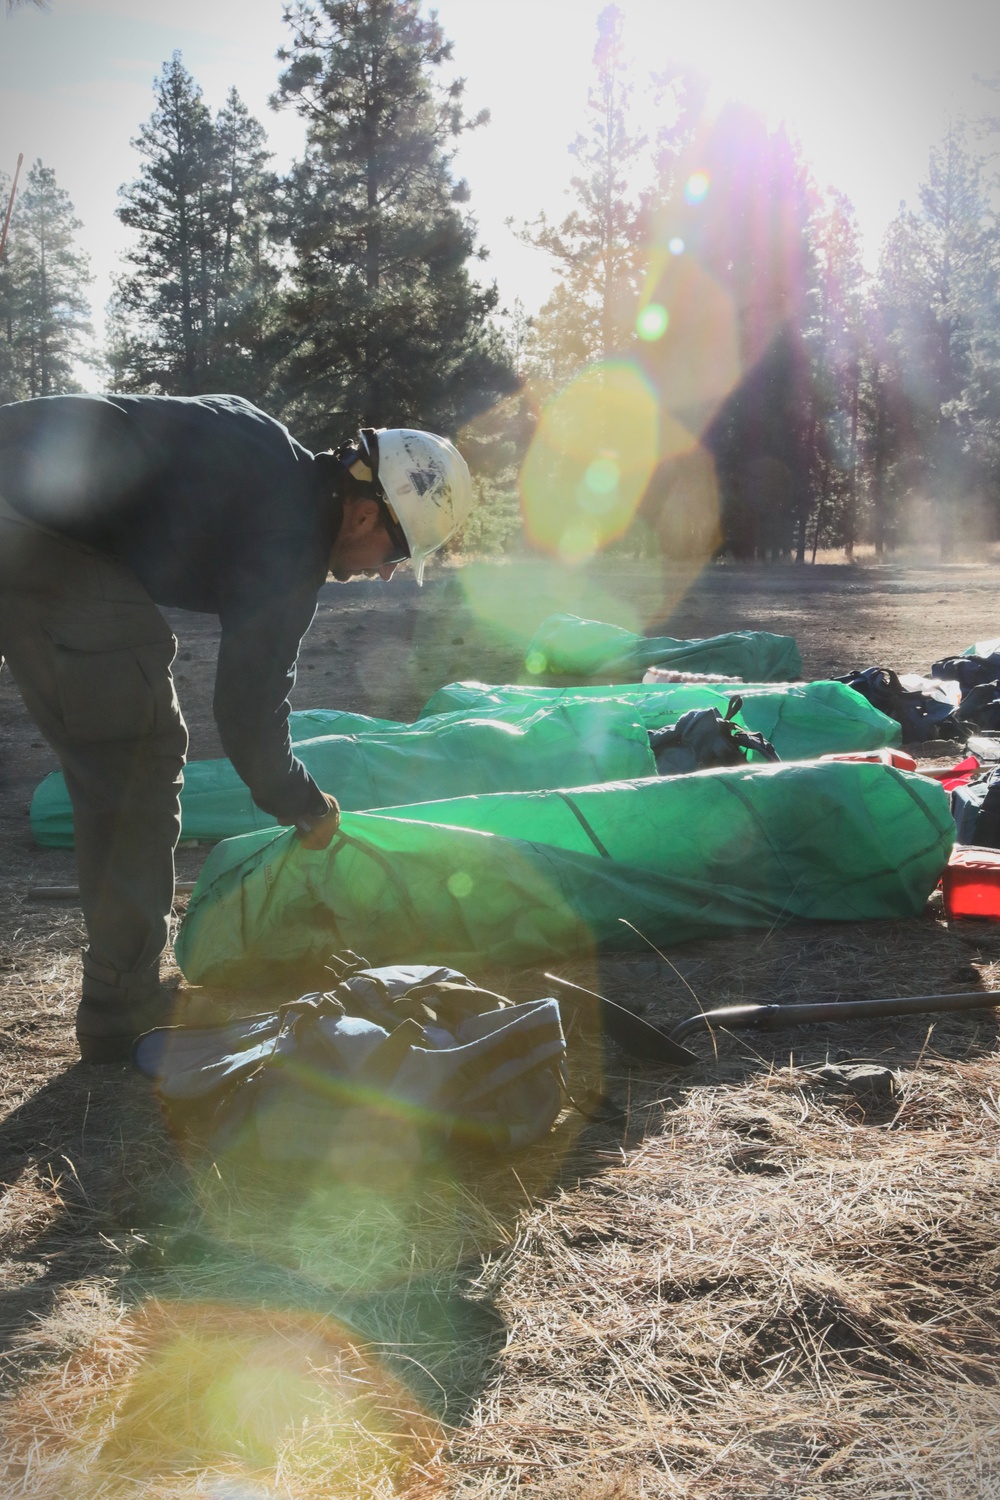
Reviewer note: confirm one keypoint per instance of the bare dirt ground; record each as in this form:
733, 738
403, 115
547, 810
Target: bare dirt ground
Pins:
747, 1281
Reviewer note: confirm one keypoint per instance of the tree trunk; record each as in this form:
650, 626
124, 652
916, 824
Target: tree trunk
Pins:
851, 519
42, 312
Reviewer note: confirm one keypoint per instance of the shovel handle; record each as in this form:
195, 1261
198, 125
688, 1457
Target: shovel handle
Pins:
72, 892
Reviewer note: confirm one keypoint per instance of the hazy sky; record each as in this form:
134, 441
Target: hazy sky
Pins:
866, 84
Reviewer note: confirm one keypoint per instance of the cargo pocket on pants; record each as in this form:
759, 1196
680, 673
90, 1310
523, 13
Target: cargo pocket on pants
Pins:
115, 695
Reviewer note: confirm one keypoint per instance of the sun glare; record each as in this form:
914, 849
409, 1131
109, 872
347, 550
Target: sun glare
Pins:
592, 457
696, 187
652, 322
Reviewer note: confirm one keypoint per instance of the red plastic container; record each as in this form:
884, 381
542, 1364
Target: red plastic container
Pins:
971, 883
887, 757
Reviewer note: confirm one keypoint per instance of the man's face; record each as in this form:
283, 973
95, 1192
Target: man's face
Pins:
363, 544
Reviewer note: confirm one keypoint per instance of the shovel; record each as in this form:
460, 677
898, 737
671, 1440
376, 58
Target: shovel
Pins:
638, 1038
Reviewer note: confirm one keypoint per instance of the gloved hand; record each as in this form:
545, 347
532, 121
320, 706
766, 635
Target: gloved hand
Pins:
319, 833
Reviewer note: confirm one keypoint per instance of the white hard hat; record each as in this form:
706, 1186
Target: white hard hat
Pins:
426, 484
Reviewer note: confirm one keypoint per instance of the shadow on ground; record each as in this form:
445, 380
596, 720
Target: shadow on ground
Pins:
210, 1268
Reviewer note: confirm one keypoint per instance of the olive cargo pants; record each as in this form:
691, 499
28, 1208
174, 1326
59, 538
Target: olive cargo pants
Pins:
91, 655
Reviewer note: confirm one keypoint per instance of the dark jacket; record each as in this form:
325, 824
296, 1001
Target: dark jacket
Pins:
217, 509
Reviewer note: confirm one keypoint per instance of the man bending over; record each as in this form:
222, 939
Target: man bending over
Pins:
110, 506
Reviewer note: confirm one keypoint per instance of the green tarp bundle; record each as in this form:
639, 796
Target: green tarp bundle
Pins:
533, 878
567, 646
474, 738
802, 720
517, 747
311, 723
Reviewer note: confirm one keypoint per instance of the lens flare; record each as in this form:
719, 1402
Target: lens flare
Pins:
697, 362
676, 245
593, 454
507, 604
254, 1391
696, 187
602, 480
652, 322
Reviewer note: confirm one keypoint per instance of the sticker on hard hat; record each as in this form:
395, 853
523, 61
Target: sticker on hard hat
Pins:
424, 479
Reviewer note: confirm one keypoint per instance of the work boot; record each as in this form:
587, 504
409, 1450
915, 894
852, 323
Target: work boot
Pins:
115, 1008
106, 1029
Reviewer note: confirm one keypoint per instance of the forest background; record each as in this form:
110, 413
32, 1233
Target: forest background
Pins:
715, 371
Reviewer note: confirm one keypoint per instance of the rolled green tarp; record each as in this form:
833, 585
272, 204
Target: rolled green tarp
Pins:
378, 763
522, 878
511, 747
802, 720
310, 723
214, 803
567, 646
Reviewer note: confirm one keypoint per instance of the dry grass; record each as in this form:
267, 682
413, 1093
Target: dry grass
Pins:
769, 1293
735, 1282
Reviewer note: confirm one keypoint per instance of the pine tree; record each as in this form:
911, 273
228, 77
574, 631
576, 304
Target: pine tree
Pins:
952, 250
245, 335
733, 365
11, 388
835, 335
591, 314
984, 384
680, 95
886, 435
192, 315
46, 329
169, 206
388, 325
518, 329
562, 339
937, 295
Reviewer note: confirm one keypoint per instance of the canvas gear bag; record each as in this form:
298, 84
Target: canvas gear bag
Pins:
920, 715
976, 808
980, 707
702, 738
968, 671
407, 1057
